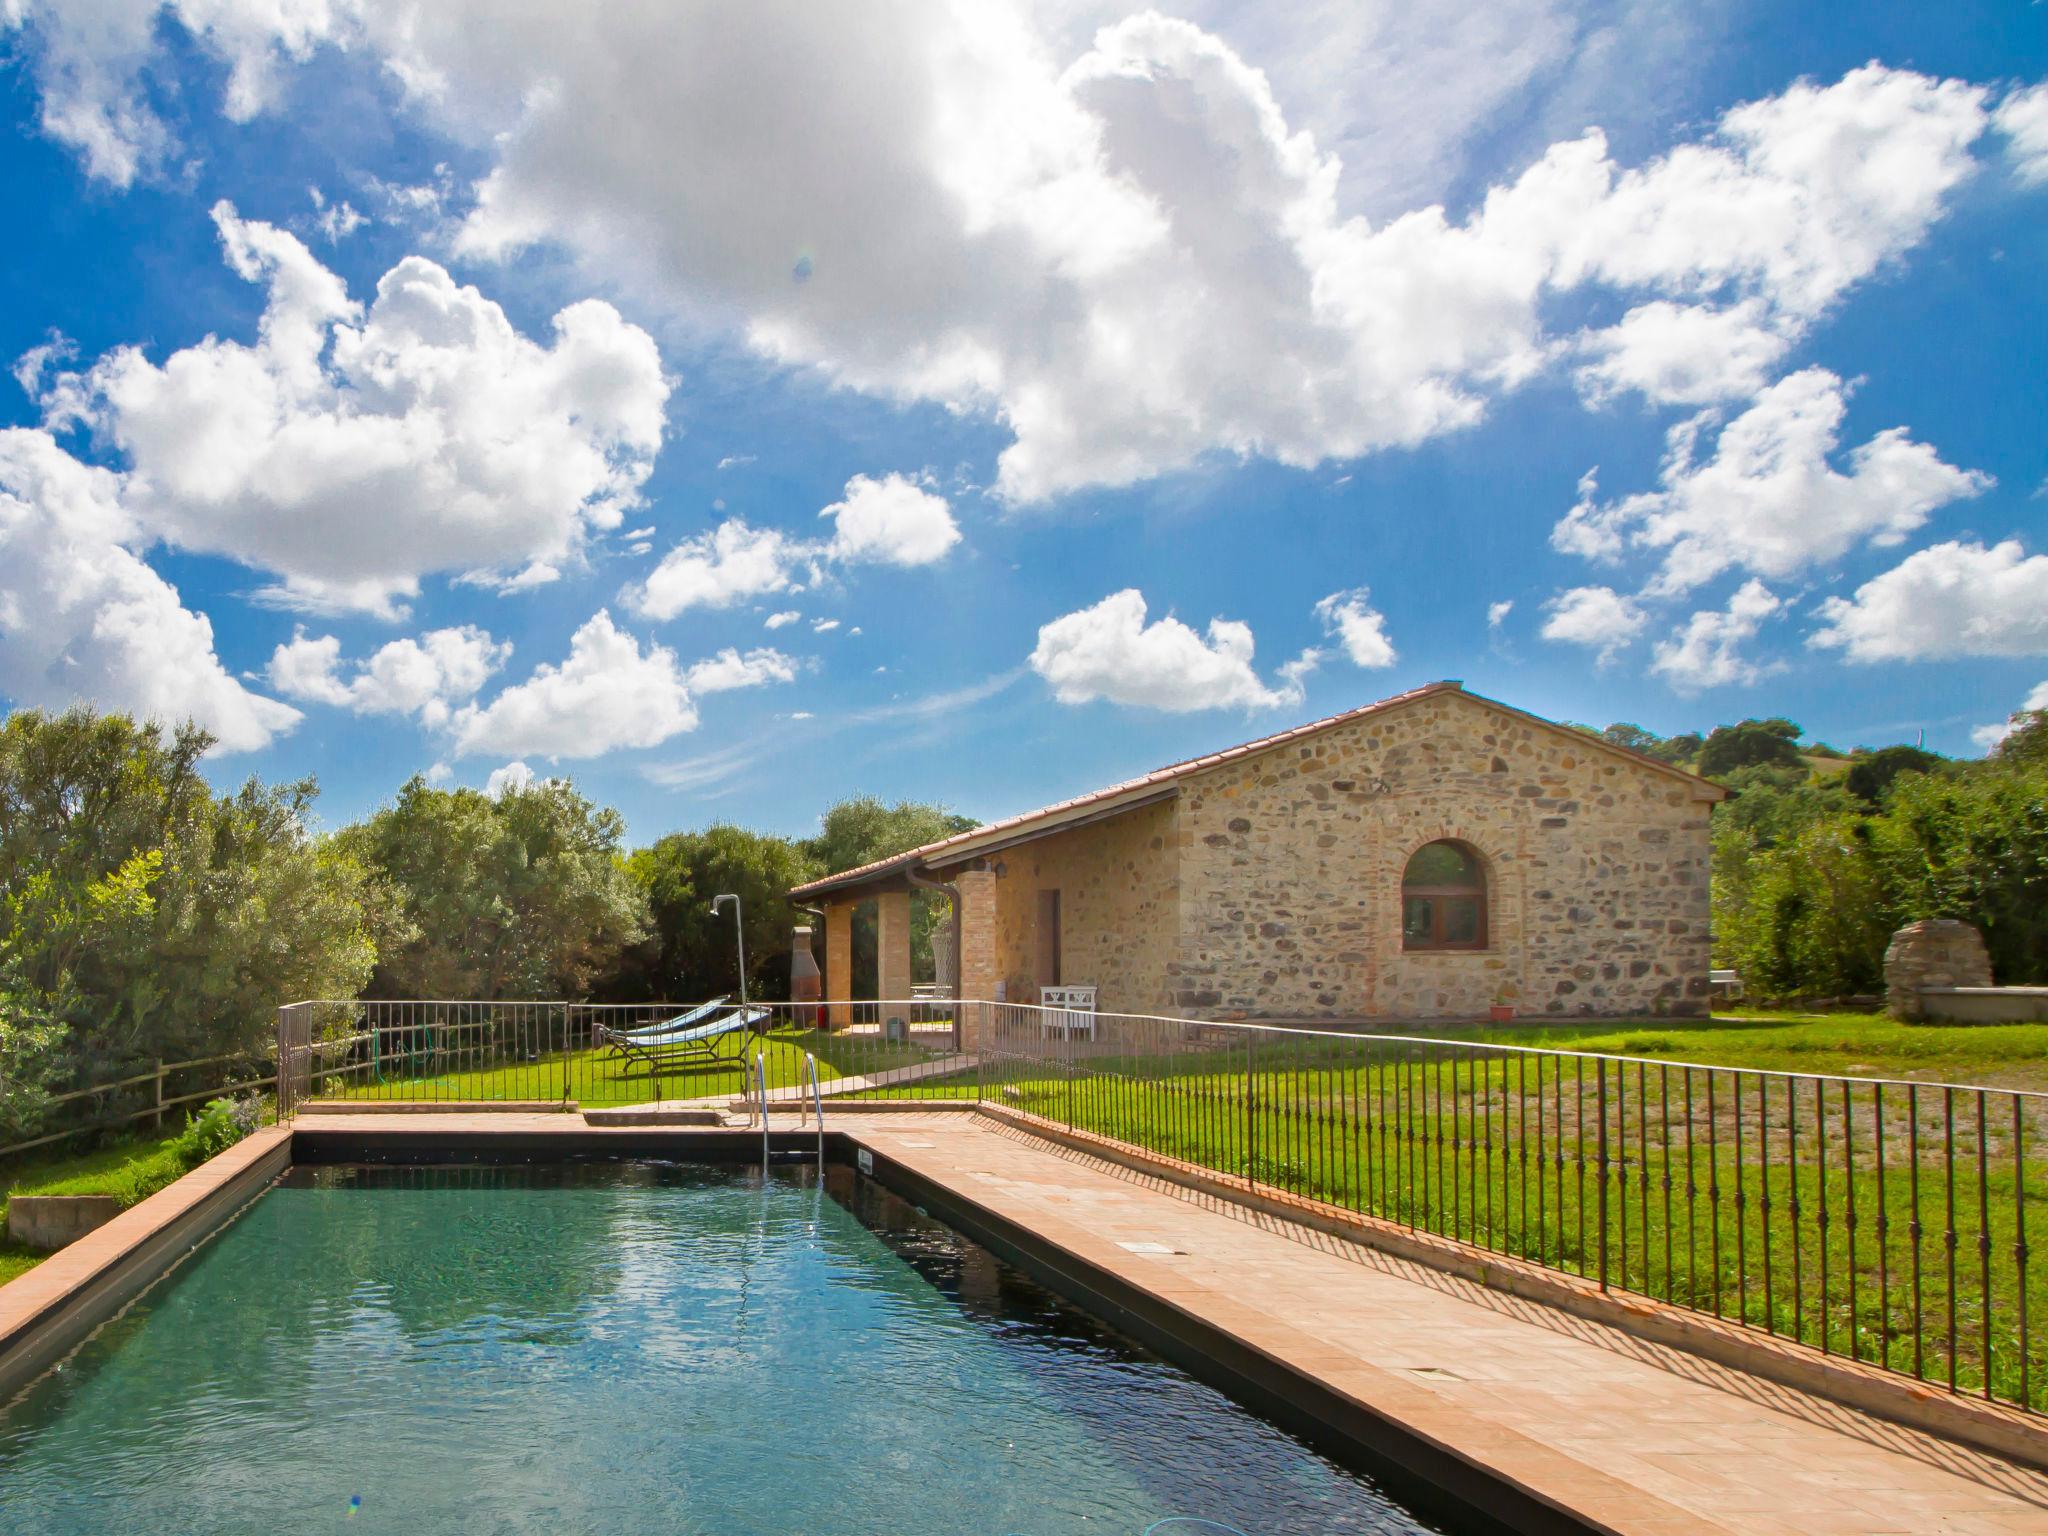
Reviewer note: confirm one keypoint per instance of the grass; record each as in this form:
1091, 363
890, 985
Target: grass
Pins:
1744, 1215
130, 1169
1837, 1044
603, 1077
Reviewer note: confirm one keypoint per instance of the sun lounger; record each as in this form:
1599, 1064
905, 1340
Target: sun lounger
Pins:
702, 1043
695, 1016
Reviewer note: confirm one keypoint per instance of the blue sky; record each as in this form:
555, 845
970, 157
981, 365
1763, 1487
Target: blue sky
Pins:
1164, 379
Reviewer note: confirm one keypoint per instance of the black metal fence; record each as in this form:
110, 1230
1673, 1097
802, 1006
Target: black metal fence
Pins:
1885, 1221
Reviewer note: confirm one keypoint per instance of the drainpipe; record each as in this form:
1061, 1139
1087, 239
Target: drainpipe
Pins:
952, 894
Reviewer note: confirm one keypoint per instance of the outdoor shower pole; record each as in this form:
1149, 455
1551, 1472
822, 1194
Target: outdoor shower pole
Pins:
739, 918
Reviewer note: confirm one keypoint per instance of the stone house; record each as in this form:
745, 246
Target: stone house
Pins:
1423, 857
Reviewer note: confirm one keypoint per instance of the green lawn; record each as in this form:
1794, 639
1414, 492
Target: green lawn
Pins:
130, 1169
1747, 1214
1842, 1044
604, 1077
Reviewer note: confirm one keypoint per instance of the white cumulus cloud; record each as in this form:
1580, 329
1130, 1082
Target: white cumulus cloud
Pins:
425, 677
1948, 600
1706, 652
729, 670
352, 450
83, 616
1599, 618
606, 695
891, 521
1769, 500
974, 216
513, 777
1358, 627
1110, 652
2023, 120
1682, 354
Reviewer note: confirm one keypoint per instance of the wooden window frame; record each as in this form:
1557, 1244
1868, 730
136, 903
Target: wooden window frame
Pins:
1441, 895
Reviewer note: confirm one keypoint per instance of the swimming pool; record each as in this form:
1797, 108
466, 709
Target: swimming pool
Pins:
633, 1348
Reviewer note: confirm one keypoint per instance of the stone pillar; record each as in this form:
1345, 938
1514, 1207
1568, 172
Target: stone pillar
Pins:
892, 947
1935, 952
978, 969
839, 962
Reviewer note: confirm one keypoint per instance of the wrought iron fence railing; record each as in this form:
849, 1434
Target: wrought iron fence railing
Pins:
1884, 1221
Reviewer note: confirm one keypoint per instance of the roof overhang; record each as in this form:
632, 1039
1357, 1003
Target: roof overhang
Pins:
967, 849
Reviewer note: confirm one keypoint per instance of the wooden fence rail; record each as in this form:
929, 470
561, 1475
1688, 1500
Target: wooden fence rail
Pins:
160, 1101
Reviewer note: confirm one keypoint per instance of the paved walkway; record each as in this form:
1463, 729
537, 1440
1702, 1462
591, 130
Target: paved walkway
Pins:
1643, 1437
1631, 1435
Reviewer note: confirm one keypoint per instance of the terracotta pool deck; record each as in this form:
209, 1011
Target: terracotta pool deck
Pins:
1626, 1435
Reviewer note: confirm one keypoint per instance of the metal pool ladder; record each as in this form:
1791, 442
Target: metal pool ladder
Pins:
818, 1098
761, 1077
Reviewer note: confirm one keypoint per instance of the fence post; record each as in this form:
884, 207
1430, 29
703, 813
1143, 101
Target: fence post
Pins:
158, 1122
1601, 1066
282, 1112
1250, 1121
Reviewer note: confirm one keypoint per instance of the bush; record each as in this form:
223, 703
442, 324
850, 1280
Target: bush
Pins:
216, 1128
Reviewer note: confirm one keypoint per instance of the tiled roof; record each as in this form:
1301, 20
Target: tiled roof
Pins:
1081, 805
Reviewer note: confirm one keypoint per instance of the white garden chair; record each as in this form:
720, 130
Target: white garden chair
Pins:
1070, 1010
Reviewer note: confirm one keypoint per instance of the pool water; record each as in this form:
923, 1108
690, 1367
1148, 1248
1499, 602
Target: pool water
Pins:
632, 1348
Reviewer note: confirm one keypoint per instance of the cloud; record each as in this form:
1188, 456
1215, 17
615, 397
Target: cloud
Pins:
1769, 500
335, 221
891, 521
1360, 628
823, 626
426, 677
779, 620
2023, 119
1946, 601
1109, 652
728, 565
513, 777
352, 451
982, 220
83, 616
1497, 613
608, 694
1989, 736
1707, 651
729, 670
1682, 354
1599, 618
735, 461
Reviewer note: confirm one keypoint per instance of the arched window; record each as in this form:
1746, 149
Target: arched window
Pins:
1443, 899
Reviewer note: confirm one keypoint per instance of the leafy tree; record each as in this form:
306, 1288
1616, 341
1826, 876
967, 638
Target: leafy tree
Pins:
1624, 734
1975, 847
1682, 750
1871, 773
862, 829
2025, 745
691, 953
142, 916
521, 895
1728, 747
1806, 917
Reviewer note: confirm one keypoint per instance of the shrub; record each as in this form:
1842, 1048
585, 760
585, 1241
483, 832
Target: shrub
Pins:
216, 1128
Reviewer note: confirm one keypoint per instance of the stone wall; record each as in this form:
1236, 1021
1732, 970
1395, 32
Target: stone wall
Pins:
1291, 864
1935, 952
1119, 905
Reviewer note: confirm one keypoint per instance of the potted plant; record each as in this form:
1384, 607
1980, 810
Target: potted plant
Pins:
1502, 1011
